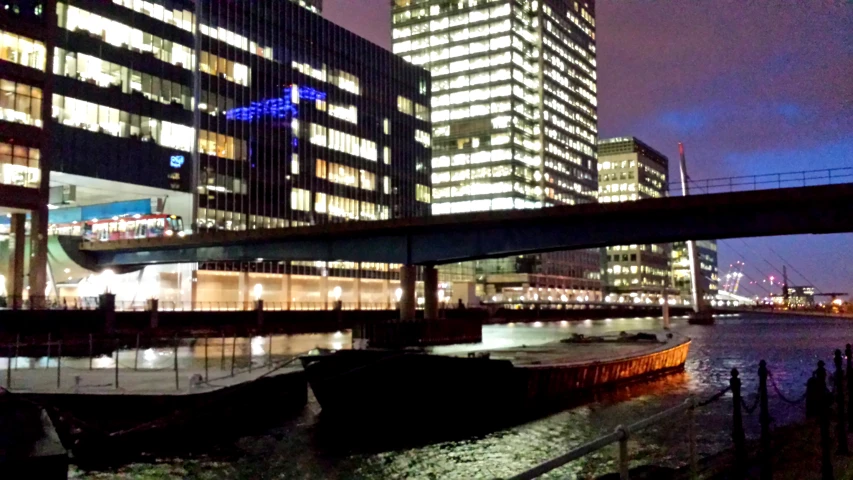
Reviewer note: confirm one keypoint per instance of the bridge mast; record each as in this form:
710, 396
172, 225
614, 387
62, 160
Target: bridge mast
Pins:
698, 294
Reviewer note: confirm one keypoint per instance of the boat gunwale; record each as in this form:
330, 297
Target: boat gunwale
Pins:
685, 342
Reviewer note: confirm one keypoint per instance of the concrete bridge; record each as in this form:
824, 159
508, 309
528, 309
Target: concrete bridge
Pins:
445, 239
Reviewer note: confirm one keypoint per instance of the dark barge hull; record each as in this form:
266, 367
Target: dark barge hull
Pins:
373, 385
103, 429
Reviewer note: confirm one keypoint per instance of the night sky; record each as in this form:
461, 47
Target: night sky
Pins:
749, 87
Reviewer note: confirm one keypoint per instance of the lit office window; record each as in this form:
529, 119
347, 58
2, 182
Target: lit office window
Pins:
22, 50
20, 103
19, 165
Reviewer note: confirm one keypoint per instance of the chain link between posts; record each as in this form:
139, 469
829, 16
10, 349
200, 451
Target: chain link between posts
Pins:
781, 395
747, 408
713, 398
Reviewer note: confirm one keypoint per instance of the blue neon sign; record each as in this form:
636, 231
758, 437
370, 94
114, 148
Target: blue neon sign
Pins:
177, 161
280, 108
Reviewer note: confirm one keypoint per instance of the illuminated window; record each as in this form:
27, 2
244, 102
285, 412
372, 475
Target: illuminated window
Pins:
348, 113
19, 165
423, 138
422, 193
300, 200
20, 103
345, 81
405, 105
22, 50
321, 168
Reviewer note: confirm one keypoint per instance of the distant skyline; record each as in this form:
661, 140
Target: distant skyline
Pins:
750, 88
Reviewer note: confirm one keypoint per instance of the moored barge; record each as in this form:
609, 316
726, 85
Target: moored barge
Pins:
414, 385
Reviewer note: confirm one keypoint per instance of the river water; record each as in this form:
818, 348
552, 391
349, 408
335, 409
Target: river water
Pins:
297, 449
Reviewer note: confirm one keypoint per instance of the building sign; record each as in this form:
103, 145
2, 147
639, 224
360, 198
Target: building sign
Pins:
177, 161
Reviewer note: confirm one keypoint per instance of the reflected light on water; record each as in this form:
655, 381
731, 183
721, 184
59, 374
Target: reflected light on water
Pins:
564, 323
257, 346
103, 362
149, 355
537, 324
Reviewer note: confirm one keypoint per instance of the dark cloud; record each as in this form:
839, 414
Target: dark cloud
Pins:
749, 87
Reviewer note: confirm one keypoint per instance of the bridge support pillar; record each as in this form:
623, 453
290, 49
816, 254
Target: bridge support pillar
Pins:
285, 290
15, 282
153, 307
243, 294
107, 305
38, 257
430, 293
408, 274
358, 288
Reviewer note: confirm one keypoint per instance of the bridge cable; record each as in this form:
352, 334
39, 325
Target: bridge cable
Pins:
808, 282
739, 254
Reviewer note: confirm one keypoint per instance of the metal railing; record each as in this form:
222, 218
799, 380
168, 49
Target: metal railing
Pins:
803, 178
93, 303
621, 435
113, 362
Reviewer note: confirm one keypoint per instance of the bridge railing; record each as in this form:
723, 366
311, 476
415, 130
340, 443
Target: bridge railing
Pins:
803, 178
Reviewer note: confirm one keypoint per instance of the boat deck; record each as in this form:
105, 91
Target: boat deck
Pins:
581, 353
141, 382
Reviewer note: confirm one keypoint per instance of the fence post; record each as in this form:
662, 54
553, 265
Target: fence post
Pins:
59, 365
17, 349
48, 349
233, 353
117, 345
623, 452
849, 352
840, 428
9, 368
825, 440
91, 350
177, 381
205, 358
738, 436
269, 350
764, 420
136, 354
222, 358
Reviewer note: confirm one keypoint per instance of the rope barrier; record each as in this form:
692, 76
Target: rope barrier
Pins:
782, 395
747, 408
713, 398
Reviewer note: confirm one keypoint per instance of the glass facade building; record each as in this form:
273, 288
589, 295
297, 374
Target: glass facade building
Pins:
710, 277
270, 117
628, 170
514, 115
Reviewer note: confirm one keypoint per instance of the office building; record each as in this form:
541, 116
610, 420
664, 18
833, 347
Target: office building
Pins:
709, 274
629, 170
299, 122
514, 116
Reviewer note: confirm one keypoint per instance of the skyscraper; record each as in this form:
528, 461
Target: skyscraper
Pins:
628, 170
514, 114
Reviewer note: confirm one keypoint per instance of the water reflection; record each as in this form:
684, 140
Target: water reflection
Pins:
791, 347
